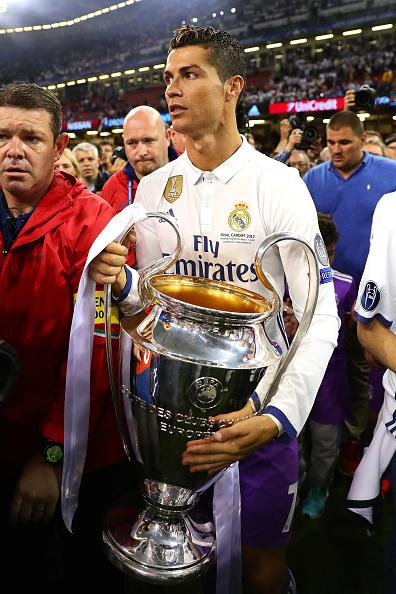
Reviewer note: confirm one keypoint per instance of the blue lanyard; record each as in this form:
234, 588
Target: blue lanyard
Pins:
130, 191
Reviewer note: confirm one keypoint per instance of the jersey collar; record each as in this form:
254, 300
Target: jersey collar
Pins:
226, 170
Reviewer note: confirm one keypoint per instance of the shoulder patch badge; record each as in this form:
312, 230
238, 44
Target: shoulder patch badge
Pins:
371, 296
173, 188
320, 250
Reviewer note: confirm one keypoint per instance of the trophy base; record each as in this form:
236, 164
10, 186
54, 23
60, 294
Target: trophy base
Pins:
157, 546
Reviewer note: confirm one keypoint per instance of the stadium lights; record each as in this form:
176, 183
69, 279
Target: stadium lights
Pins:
60, 85
233, 10
319, 50
273, 45
75, 21
103, 76
310, 118
144, 69
92, 132
115, 74
298, 41
326, 120
158, 66
363, 116
71, 135
322, 37
247, 50
131, 71
117, 131
81, 81
92, 78
253, 123
105, 133
394, 117
51, 87
382, 27
352, 32
71, 83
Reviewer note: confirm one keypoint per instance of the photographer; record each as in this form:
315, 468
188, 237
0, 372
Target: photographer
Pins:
289, 138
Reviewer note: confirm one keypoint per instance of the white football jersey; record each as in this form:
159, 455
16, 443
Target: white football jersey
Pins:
224, 215
377, 289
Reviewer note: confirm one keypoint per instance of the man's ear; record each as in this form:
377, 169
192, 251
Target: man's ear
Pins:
234, 87
60, 144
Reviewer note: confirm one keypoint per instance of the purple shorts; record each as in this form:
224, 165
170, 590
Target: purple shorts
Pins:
269, 479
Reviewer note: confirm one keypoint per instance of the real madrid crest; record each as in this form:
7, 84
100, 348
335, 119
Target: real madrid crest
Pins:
239, 219
173, 188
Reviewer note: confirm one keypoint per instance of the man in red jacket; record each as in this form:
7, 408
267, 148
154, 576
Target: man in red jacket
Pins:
48, 222
147, 149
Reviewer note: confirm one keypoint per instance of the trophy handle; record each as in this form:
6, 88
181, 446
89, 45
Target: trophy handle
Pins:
157, 268
310, 303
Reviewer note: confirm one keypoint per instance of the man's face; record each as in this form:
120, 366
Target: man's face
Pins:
28, 152
390, 150
146, 144
298, 161
195, 95
374, 149
345, 148
89, 165
106, 153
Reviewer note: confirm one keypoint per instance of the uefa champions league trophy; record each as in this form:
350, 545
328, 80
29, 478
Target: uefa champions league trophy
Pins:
204, 348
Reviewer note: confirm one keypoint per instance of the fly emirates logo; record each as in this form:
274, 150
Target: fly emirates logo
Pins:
206, 264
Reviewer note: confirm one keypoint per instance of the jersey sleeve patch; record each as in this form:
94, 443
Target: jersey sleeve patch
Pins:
326, 275
371, 296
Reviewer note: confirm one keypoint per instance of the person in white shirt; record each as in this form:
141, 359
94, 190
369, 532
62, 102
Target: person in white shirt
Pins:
376, 314
227, 198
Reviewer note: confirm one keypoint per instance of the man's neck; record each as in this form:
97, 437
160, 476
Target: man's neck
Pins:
18, 205
211, 150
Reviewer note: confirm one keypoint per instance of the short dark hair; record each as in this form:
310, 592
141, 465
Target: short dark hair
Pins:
346, 119
225, 52
328, 228
32, 96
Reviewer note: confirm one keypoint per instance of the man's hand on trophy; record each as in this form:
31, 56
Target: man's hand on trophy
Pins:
108, 267
229, 444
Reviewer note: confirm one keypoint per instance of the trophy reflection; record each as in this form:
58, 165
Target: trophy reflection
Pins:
197, 349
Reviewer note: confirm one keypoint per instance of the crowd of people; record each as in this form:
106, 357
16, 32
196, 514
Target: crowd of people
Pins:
105, 44
55, 201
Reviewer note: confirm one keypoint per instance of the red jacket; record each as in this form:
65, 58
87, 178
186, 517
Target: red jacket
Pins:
38, 279
119, 191
115, 191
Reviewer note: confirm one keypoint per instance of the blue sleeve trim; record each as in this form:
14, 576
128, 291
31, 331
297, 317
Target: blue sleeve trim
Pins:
255, 401
125, 292
378, 317
289, 432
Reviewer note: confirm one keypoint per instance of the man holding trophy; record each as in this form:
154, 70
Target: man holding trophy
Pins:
227, 198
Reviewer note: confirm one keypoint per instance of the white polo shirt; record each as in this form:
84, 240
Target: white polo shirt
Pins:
224, 215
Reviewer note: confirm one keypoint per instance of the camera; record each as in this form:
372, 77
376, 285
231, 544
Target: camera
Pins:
9, 369
310, 133
365, 98
118, 153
